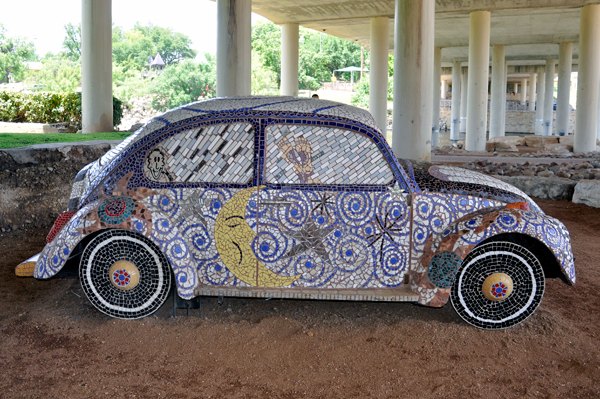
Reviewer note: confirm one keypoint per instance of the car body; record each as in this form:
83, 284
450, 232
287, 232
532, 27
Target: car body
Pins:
288, 197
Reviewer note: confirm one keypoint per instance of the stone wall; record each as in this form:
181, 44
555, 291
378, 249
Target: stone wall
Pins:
516, 121
35, 182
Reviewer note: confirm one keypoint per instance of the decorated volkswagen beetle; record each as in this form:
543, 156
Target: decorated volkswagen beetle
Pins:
286, 197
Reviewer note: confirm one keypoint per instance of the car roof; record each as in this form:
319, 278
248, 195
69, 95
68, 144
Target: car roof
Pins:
274, 105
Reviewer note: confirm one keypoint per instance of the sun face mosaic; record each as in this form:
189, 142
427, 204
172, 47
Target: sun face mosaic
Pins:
293, 198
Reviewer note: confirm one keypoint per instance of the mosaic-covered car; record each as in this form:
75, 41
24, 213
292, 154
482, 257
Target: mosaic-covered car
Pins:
286, 197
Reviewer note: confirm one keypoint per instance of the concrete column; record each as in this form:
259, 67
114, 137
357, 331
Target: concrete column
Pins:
523, 91
565, 60
586, 121
479, 59
598, 133
549, 99
463, 102
289, 59
378, 78
455, 110
532, 89
413, 78
96, 66
437, 76
505, 88
233, 47
444, 89
541, 96
498, 97
516, 88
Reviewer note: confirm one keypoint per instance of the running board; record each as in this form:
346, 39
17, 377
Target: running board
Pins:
398, 294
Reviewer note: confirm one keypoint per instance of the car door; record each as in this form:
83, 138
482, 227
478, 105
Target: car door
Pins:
331, 216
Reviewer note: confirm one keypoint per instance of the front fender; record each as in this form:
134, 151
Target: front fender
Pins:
445, 252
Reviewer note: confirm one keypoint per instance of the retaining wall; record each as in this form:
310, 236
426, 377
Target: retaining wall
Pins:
516, 121
36, 181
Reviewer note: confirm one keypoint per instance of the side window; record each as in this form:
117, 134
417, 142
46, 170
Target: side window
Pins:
299, 154
221, 153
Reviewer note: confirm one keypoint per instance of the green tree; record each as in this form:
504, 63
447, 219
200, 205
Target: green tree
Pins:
183, 83
266, 41
57, 75
14, 52
132, 48
263, 80
319, 54
72, 42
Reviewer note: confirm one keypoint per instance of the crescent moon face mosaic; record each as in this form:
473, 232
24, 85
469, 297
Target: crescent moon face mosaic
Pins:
288, 197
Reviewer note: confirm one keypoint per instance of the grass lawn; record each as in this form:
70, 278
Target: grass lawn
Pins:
11, 140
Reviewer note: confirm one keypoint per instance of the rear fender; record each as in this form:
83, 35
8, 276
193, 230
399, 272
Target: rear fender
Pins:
158, 216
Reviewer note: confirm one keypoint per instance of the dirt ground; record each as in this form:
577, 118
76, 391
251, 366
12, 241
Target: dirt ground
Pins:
55, 344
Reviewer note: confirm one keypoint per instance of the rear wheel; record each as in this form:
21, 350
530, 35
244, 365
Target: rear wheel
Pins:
499, 285
124, 275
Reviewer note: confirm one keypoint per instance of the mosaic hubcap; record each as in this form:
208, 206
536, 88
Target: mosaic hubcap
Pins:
497, 287
124, 275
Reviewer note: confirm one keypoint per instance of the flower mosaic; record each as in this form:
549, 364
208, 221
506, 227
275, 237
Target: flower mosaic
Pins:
283, 197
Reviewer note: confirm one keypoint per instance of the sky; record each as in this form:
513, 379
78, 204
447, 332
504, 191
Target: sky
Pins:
42, 21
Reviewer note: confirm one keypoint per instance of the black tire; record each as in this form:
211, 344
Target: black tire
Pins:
484, 263
113, 248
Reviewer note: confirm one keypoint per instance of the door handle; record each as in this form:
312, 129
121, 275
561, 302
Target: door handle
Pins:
276, 202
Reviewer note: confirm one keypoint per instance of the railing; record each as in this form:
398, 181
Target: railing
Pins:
340, 86
445, 104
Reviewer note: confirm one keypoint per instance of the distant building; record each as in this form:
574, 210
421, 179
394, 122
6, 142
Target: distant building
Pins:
154, 67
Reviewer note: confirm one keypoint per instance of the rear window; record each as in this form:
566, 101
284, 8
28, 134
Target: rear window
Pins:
222, 153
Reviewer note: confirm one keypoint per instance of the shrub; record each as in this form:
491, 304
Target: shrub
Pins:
47, 108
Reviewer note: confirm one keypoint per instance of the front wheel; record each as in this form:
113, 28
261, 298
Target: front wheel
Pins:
499, 285
124, 275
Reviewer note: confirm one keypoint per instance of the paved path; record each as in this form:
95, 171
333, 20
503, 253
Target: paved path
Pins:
497, 159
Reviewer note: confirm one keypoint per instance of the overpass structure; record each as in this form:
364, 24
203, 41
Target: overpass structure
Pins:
527, 42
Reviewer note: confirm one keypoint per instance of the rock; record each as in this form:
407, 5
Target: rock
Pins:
558, 148
587, 192
528, 172
506, 147
489, 146
546, 173
583, 165
540, 141
563, 174
514, 140
545, 188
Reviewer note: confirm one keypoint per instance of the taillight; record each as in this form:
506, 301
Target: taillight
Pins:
62, 219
